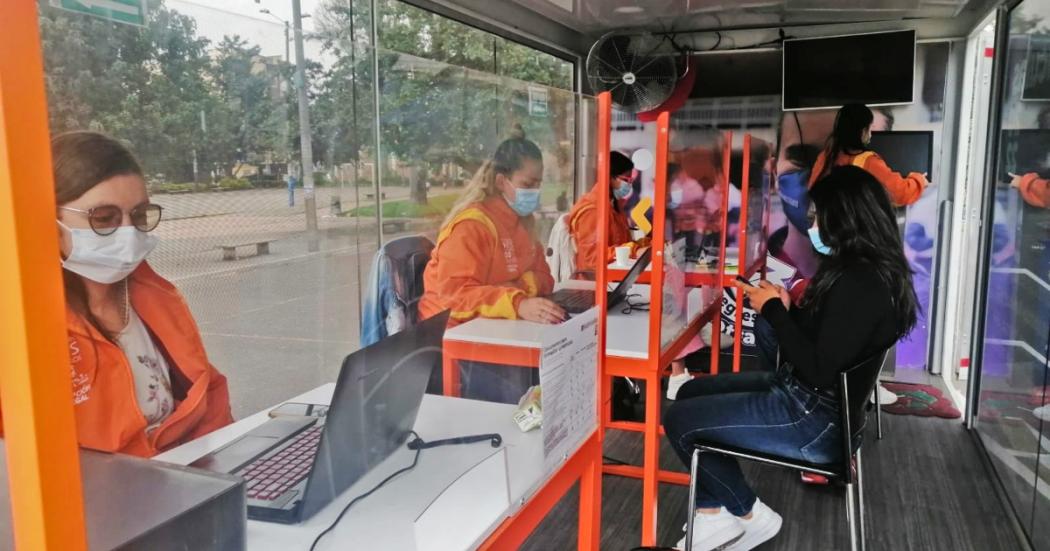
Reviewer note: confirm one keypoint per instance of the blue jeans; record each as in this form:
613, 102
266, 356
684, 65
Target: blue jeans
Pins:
765, 412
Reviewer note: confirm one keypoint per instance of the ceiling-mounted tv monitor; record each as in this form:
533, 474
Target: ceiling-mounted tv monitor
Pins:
905, 151
873, 68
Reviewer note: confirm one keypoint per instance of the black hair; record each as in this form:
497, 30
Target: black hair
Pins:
857, 222
619, 164
847, 136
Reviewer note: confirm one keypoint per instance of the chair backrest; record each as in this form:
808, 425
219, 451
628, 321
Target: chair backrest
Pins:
561, 250
395, 288
855, 387
409, 256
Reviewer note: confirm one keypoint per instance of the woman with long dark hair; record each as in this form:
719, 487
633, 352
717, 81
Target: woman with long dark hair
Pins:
848, 145
860, 302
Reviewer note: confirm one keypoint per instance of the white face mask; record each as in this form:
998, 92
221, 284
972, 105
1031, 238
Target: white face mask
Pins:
107, 258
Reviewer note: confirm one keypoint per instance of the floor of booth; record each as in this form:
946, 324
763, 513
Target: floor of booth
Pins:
926, 487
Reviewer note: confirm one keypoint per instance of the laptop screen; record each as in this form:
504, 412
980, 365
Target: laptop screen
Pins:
374, 407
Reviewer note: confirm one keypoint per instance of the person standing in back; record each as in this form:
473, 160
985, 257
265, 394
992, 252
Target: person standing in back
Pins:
848, 145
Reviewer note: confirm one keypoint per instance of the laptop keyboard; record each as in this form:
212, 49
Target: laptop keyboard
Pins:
270, 477
573, 300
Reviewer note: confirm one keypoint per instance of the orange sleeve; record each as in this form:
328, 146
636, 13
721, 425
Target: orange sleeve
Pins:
903, 191
537, 279
217, 414
463, 263
585, 234
1035, 190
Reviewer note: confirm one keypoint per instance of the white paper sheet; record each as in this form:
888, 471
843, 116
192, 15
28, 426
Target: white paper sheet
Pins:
568, 375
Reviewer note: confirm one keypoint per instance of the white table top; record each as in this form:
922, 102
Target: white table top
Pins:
385, 520
627, 337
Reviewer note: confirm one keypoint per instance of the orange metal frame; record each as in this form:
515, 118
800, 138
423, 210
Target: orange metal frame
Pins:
650, 370
43, 465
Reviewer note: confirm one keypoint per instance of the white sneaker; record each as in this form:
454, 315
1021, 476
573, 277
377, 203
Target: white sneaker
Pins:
761, 527
1042, 412
713, 531
675, 382
886, 396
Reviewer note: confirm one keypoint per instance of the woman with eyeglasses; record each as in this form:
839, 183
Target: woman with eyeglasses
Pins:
142, 382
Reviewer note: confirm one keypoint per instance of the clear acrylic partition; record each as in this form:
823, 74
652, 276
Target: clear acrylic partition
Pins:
278, 277
1012, 417
205, 97
695, 199
760, 163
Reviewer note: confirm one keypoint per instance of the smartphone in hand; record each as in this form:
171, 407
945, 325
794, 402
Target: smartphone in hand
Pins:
744, 280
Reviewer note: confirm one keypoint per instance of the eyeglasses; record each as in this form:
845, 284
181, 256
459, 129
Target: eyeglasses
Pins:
106, 219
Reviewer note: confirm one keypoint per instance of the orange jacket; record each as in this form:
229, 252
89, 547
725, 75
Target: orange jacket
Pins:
484, 264
1035, 190
583, 226
902, 190
107, 412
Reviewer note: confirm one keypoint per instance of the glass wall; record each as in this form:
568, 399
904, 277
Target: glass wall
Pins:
1012, 411
270, 242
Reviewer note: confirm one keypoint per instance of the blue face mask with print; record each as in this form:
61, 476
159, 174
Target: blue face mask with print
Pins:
794, 197
814, 237
623, 190
526, 201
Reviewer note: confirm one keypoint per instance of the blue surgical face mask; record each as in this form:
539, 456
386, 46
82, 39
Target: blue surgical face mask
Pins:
525, 202
623, 190
814, 237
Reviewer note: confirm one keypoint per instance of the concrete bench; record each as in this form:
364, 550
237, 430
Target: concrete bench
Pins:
262, 246
395, 225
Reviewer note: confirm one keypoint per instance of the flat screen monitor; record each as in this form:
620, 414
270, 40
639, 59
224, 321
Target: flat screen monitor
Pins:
905, 151
874, 69
1022, 152
1037, 70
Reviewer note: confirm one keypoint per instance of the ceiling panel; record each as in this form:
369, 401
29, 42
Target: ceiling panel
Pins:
599, 16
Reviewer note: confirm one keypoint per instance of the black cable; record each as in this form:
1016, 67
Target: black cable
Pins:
415, 460
634, 306
417, 444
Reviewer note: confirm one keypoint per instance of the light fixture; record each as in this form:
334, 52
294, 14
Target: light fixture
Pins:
628, 10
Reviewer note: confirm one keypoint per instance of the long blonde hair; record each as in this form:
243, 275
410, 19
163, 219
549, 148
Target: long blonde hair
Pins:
509, 156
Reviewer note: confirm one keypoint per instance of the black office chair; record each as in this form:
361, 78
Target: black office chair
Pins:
855, 386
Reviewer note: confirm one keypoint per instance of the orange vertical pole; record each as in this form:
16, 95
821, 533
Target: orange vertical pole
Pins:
716, 323
35, 388
590, 522
743, 262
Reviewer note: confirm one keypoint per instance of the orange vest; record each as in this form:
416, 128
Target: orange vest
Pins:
484, 264
902, 190
583, 226
107, 412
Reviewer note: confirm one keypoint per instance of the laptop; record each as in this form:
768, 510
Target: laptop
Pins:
575, 301
295, 466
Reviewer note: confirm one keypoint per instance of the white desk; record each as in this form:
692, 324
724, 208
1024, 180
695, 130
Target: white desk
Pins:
385, 519
627, 334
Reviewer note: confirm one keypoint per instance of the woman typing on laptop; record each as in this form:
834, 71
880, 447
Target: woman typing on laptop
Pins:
142, 382
488, 263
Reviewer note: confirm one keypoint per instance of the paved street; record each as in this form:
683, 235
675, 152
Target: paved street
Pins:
276, 324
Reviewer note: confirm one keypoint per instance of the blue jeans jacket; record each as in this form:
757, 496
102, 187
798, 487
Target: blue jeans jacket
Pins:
766, 412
